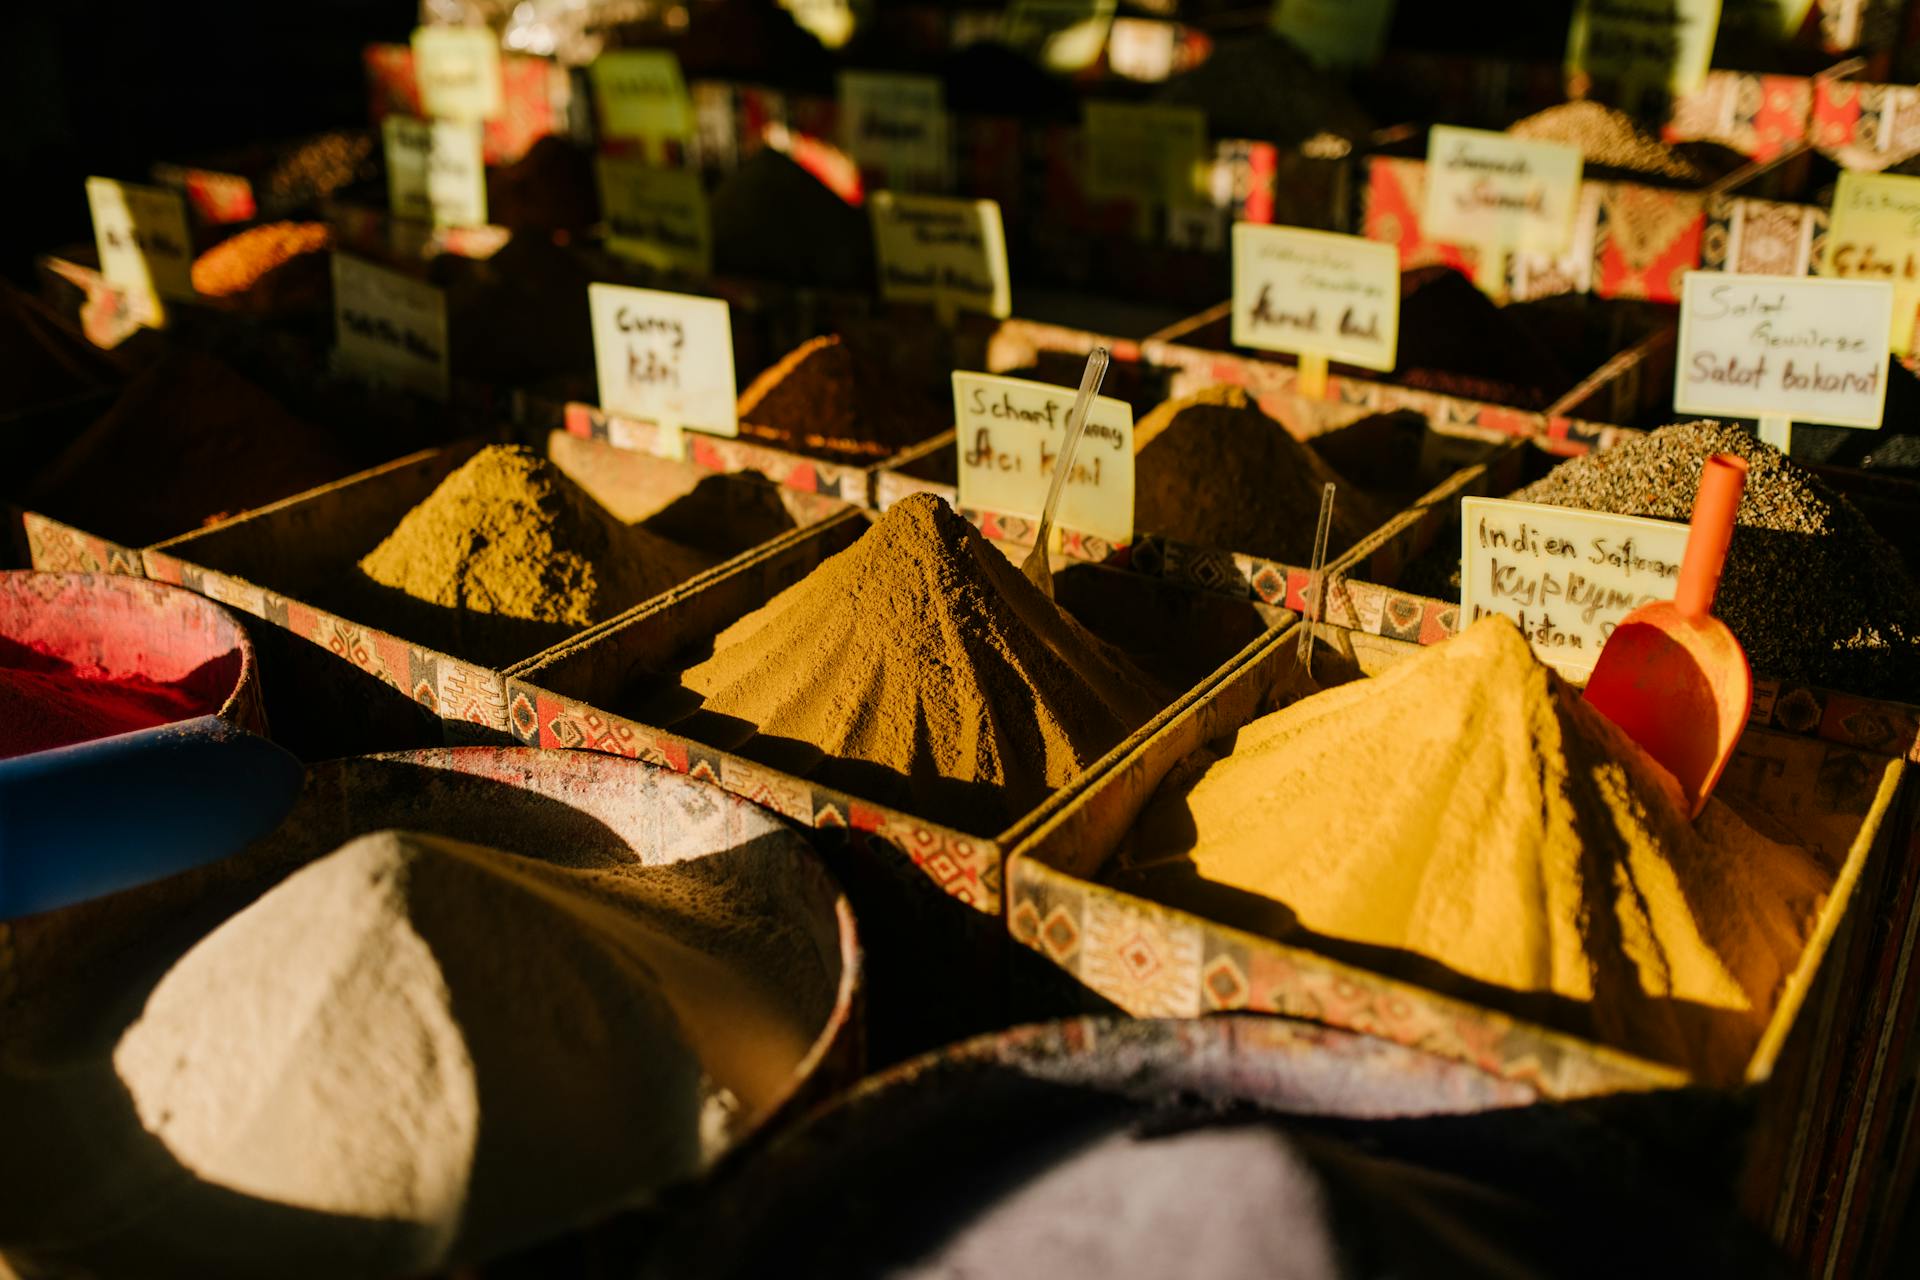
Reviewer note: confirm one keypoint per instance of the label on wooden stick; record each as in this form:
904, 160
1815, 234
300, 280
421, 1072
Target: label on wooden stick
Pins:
665, 358
951, 253
141, 232
390, 329
1316, 293
1489, 189
1008, 434
1566, 577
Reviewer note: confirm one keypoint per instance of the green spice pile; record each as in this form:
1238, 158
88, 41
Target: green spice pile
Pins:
508, 556
1810, 589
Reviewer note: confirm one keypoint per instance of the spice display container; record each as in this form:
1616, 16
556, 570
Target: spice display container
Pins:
361, 681
1841, 794
569, 809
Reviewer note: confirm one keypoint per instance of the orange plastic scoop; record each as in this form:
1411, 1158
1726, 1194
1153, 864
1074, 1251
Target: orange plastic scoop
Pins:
1672, 675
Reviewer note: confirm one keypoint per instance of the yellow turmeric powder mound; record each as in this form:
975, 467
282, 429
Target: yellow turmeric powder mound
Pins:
1466, 821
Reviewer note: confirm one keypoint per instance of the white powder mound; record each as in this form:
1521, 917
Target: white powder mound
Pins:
418, 1050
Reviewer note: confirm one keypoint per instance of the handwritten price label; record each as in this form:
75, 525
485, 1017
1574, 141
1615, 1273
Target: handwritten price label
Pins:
1009, 432
1565, 577
1795, 347
1638, 52
657, 216
1875, 235
1488, 189
896, 128
389, 328
436, 171
458, 70
141, 232
641, 94
1316, 292
951, 253
665, 358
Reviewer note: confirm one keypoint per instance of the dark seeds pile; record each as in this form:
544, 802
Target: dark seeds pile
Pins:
1810, 589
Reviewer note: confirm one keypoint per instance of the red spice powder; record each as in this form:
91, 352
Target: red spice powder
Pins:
47, 703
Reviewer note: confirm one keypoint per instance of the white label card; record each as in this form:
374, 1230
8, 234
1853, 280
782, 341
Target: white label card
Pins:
1489, 189
896, 127
951, 253
1796, 347
436, 171
665, 358
1316, 292
1566, 577
458, 71
141, 232
390, 329
641, 94
1008, 434
655, 216
1636, 48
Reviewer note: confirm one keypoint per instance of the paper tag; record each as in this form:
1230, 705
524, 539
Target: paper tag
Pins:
389, 328
1316, 292
952, 253
1335, 33
657, 216
1143, 48
896, 126
436, 171
1489, 189
641, 94
1138, 151
458, 71
1642, 52
1566, 577
1875, 235
831, 22
1067, 35
1008, 432
1796, 347
145, 247
665, 358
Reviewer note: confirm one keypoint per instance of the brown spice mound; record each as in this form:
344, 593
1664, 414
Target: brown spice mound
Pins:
187, 442
513, 556
1466, 821
1454, 340
773, 220
919, 669
1213, 470
1608, 138
239, 263
830, 397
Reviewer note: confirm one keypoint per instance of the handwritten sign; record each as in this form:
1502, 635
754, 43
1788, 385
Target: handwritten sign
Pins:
896, 128
1565, 577
458, 70
1008, 434
1138, 151
1335, 33
145, 247
1316, 292
1875, 235
641, 95
389, 328
1796, 347
1642, 51
657, 216
665, 358
951, 253
1489, 189
436, 171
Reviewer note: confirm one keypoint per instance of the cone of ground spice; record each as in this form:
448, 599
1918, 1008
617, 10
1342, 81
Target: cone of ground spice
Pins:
1213, 470
188, 441
1467, 822
920, 669
772, 220
836, 399
1811, 591
508, 555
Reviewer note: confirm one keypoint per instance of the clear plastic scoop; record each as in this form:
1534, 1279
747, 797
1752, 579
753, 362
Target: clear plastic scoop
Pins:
1038, 572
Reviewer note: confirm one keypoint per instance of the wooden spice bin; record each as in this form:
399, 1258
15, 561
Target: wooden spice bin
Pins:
1824, 1050
338, 684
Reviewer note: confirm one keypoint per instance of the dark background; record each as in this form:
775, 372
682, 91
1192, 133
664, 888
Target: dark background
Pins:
109, 86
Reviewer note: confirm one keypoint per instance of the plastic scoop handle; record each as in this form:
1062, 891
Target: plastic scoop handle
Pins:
1722, 481
1036, 568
